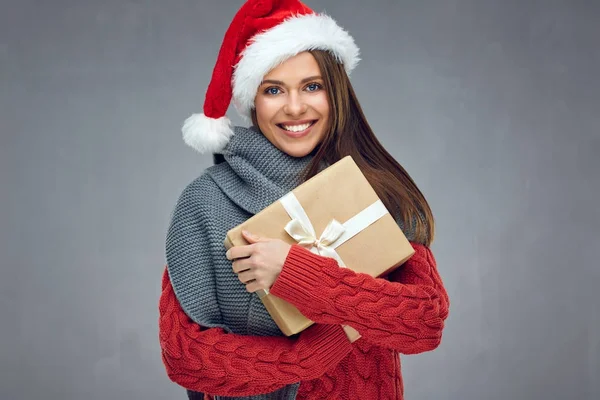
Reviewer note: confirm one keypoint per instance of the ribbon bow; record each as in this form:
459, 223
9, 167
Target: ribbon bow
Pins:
304, 234
335, 234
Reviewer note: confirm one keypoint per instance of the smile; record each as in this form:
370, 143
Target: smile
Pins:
297, 129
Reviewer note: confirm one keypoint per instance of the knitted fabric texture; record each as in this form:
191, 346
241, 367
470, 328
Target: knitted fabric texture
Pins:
254, 175
217, 338
402, 313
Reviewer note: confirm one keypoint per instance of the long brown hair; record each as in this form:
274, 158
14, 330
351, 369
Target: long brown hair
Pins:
349, 133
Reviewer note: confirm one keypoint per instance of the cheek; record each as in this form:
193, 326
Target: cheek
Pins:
322, 105
266, 111
261, 110
324, 111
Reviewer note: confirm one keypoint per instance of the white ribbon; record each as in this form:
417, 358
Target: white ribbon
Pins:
335, 234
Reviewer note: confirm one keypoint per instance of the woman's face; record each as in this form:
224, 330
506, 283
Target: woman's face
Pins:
292, 107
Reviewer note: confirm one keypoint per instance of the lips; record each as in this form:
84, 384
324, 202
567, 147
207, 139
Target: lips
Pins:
297, 126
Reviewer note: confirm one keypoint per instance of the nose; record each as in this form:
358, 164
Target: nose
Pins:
295, 105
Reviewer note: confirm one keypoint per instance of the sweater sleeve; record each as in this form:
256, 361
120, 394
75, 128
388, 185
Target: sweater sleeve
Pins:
405, 313
219, 363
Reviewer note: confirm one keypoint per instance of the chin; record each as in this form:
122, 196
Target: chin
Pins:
298, 152
299, 144
299, 147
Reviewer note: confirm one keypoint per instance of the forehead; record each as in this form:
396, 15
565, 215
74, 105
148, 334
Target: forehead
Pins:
295, 69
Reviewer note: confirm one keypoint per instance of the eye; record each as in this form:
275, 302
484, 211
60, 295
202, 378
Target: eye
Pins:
313, 87
272, 90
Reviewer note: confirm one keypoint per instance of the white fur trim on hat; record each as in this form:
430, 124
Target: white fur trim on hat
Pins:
206, 135
294, 35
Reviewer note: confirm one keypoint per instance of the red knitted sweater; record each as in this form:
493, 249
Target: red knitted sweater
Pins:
403, 313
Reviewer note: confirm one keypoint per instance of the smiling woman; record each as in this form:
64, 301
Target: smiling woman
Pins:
291, 106
287, 68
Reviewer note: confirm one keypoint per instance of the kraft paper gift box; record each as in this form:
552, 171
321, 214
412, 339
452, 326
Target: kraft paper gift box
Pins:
335, 214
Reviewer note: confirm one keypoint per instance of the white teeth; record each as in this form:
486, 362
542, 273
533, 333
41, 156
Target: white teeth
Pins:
296, 128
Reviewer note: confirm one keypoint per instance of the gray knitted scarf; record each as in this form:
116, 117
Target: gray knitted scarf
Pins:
254, 175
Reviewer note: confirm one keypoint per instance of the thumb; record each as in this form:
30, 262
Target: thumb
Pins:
250, 237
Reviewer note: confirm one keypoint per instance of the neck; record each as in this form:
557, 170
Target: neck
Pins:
259, 173
250, 153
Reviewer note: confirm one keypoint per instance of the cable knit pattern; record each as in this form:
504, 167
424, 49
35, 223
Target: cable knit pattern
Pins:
404, 314
255, 175
407, 317
213, 361
217, 338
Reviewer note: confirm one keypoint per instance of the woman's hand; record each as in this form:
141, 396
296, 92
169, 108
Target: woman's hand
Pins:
258, 264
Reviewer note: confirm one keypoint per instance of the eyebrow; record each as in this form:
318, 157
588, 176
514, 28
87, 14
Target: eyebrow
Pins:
274, 82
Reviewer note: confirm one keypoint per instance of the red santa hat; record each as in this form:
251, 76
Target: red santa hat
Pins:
262, 35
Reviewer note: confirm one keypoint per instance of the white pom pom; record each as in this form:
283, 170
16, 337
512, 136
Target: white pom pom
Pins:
206, 135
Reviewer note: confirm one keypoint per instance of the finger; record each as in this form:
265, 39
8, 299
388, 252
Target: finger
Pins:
252, 238
239, 252
241, 265
247, 276
253, 286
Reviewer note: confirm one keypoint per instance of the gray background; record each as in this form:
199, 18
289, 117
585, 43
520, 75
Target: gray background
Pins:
492, 106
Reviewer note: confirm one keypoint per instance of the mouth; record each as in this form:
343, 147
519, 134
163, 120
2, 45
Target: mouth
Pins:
297, 129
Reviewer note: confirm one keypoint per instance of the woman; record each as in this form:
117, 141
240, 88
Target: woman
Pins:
287, 68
